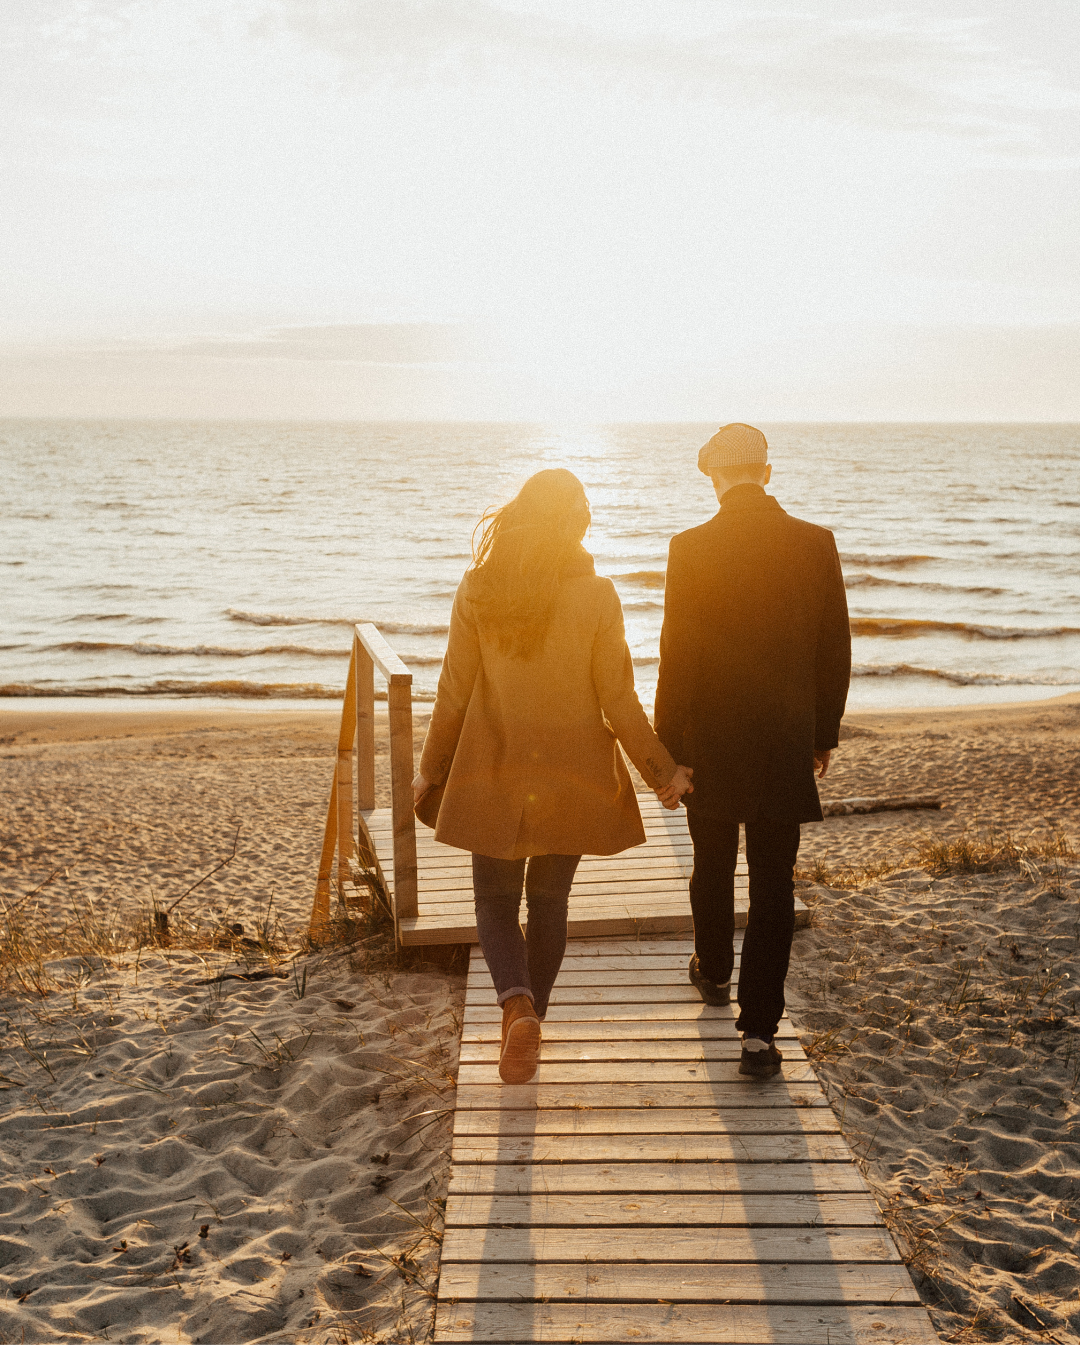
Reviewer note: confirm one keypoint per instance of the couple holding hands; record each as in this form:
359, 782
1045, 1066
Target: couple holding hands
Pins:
521, 765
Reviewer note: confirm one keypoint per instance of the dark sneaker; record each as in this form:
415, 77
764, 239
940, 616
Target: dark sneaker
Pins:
760, 1059
715, 995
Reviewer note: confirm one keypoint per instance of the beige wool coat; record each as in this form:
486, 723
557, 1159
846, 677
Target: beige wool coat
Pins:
524, 750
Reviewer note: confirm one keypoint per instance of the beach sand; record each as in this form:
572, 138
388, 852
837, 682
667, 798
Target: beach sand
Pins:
941, 1010
292, 1125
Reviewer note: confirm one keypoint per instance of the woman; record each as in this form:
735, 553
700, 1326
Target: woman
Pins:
521, 761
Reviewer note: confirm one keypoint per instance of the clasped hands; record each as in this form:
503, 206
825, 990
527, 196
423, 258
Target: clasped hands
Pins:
672, 795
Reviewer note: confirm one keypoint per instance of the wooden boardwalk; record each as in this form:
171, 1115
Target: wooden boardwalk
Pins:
644, 890
640, 1190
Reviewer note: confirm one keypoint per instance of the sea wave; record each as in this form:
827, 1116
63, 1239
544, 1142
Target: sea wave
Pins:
297, 620
859, 579
958, 677
653, 581
162, 649
887, 559
872, 627
239, 689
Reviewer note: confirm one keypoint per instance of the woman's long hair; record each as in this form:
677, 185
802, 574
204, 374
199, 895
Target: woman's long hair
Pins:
523, 552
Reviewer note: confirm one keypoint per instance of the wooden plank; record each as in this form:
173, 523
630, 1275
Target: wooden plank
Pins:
671, 995
689, 1245
615, 1012
391, 666
667, 1177
613, 969
545, 1096
791, 1283
640, 1170
644, 858
660, 895
365, 728
667, 1323
634, 919
627, 946
401, 776
642, 977
709, 1210
627, 1148
346, 849
481, 1029
440, 882
416, 932
738, 1120
603, 1052
320, 909
724, 1071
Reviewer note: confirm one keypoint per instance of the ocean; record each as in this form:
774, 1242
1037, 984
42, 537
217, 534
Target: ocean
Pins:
209, 560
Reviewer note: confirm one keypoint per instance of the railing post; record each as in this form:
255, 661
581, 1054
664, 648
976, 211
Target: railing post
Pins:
320, 911
365, 727
370, 649
346, 849
401, 776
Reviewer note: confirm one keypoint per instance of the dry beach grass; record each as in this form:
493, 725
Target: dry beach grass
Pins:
258, 1157
286, 1115
938, 988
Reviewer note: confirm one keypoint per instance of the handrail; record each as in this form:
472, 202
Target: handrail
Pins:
370, 649
392, 667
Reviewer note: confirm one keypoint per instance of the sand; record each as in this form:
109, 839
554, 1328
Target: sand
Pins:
292, 1126
216, 1162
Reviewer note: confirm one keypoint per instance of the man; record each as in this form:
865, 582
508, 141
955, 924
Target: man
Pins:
755, 658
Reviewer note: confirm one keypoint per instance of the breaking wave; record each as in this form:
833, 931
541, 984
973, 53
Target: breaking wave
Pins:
297, 620
886, 559
240, 689
958, 677
161, 649
859, 579
912, 627
652, 581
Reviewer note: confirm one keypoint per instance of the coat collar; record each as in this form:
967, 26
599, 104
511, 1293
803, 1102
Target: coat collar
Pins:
747, 497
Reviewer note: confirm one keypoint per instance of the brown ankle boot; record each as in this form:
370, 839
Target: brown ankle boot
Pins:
520, 1040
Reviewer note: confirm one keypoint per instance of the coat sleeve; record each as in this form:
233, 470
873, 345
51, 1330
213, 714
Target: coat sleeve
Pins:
456, 680
832, 671
674, 692
613, 679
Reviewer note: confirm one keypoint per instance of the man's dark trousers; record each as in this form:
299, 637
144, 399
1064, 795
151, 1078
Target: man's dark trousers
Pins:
771, 849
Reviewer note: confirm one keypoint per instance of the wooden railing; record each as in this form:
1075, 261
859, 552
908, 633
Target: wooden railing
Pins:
356, 852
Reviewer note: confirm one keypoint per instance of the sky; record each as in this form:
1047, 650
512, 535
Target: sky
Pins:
534, 209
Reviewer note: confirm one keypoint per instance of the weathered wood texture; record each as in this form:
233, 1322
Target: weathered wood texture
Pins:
639, 1189
643, 891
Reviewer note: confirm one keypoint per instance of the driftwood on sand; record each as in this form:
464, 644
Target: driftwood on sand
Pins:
866, 806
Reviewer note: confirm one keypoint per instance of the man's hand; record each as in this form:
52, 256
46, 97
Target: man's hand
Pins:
821, 762
672, 795
420, 785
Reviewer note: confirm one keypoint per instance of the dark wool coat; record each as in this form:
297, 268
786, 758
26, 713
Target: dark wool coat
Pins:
755, 658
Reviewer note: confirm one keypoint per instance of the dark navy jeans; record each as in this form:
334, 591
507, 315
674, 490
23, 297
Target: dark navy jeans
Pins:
521, 964
771, 849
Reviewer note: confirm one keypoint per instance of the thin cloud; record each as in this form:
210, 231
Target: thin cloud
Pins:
918, 69
898, 69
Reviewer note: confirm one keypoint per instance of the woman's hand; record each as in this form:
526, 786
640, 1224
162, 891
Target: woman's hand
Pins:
420, 785
672, 795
